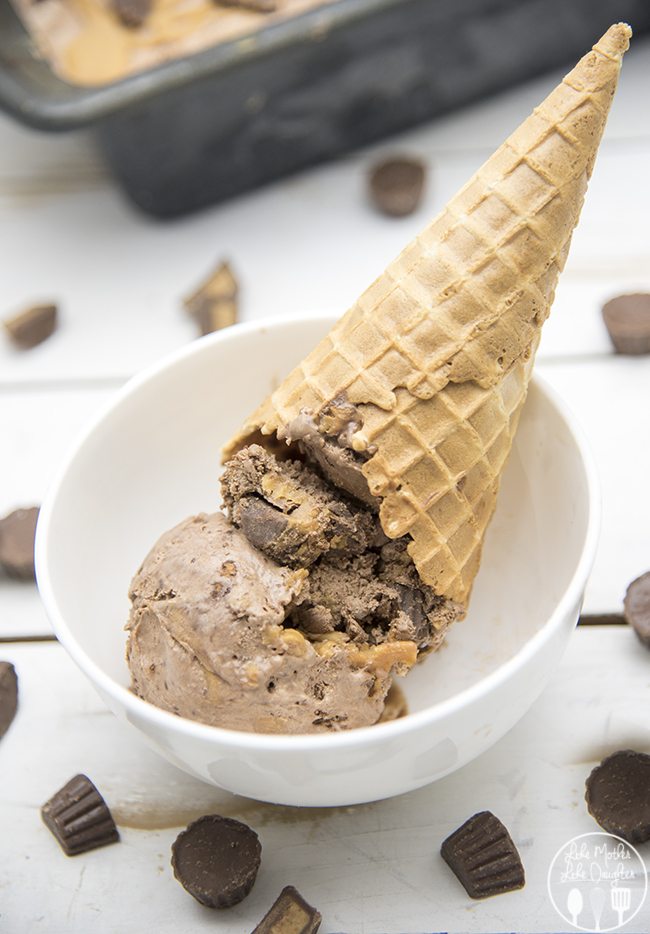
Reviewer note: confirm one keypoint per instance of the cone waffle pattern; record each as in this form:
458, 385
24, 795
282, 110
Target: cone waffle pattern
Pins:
437, 353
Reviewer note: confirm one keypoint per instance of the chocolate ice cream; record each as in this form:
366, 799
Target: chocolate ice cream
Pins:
289, 615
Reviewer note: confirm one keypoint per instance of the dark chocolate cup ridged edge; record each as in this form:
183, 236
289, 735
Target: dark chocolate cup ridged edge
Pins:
483, 856
637, 609
618, 823
79, 818
8, 696
241, 888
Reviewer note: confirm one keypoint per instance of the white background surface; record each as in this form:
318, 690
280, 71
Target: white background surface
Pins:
301, 246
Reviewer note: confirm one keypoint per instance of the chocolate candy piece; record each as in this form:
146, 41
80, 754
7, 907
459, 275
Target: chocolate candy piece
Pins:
396, 186
17, 531
484, 857
288, 512
214, 304
637, 607
79, 817
289, 914
618, 795
8, 696
262, 524
216, 859
131, 13
32, 326
214, 315
627, 318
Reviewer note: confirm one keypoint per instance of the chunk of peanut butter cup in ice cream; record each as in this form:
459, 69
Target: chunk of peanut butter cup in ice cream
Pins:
359, 493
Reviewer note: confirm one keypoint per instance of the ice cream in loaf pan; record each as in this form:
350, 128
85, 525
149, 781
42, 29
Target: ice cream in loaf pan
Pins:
359, 493
92, 43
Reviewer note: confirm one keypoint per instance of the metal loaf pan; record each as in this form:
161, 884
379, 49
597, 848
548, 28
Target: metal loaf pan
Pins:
200, 129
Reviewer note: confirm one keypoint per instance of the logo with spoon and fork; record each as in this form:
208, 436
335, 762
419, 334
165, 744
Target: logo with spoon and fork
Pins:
597, 882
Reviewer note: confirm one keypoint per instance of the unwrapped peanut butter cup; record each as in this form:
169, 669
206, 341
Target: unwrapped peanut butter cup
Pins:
636, 607
79, 817
17, 533
8, 696
618, 795
213, 305
483, 856
32, 326
396, 186
216, 860
627, 319
289, 914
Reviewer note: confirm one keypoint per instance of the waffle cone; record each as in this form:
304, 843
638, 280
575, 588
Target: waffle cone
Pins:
437, 354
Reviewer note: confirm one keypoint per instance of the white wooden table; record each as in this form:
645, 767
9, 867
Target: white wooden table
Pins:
302, 246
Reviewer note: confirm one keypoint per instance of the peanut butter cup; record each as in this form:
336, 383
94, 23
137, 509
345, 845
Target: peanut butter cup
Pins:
79, 817
618, 795
216, 860
483, 856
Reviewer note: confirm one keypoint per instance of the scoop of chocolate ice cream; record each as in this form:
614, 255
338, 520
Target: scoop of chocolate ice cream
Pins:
289, 615
209, 640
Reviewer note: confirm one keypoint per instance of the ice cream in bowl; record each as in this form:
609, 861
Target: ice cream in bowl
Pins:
386, 573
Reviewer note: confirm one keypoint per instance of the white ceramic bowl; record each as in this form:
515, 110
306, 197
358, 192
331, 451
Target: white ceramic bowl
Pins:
152, 458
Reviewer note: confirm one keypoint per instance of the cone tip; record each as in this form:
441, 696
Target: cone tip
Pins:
615, 42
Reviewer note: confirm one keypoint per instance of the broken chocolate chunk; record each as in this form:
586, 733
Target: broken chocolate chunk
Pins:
79, 817
289, 914
214, 304
618, 795
627, 319
131, 13
17, 533
396, 186
636, 607
215, 314
340, 467
483, 856
32, 326
287, 511
262, 524
256, 6
216, 860
8, 696
324, 443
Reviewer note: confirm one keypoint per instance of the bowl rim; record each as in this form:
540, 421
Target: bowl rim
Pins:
138, 709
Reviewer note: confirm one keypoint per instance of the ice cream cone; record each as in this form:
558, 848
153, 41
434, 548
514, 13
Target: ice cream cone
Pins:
436, 356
